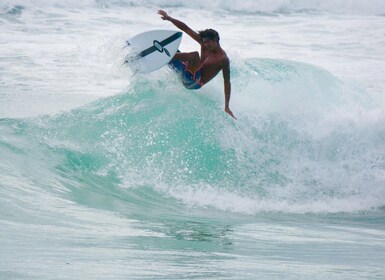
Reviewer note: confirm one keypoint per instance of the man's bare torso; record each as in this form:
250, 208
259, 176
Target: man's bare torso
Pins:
211, 63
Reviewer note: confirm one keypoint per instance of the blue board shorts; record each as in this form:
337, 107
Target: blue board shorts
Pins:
190, 80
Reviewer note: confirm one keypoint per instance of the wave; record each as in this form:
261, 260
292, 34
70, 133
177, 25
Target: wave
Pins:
304, 142
261, 7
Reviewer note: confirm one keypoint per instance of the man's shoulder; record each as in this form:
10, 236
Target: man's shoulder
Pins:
225, 59
224, 56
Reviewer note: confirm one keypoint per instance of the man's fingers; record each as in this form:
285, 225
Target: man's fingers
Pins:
231, 114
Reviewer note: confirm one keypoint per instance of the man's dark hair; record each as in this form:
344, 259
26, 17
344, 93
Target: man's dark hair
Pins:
210, 34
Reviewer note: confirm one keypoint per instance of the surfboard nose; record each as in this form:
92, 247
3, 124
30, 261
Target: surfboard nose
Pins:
153, 49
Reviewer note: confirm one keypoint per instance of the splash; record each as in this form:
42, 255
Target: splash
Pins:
297, 147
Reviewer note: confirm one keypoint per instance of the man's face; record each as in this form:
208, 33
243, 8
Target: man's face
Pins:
209, 44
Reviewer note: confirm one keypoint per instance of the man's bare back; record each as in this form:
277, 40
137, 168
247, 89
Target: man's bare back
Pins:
212, 60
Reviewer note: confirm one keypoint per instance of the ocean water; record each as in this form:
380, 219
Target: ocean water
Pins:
107, 174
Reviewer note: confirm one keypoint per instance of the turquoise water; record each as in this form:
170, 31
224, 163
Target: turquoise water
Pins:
105, 175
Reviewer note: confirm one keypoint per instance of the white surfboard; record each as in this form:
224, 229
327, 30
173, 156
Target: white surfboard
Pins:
152, 49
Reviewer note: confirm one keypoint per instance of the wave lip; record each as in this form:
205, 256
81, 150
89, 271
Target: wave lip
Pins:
281, 155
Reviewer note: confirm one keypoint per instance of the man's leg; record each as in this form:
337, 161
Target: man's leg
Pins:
192, 58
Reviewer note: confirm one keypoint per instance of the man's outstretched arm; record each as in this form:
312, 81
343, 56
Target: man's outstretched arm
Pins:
181, 25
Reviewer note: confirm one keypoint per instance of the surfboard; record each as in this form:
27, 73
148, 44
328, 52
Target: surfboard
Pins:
152, 49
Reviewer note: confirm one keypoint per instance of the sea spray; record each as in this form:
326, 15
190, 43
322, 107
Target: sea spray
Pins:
274, 158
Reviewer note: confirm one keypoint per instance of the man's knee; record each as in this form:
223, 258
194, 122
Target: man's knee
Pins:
194, 57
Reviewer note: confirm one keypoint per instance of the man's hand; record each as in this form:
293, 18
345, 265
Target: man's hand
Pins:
164, 15
228, 111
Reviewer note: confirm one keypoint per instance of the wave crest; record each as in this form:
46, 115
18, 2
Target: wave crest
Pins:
281, 155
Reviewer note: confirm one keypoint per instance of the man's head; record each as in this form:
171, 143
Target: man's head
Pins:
209, 39
209, 34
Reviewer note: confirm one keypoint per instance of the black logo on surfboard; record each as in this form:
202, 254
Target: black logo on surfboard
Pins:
160, 48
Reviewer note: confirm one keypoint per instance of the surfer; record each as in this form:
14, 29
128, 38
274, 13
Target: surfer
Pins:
196, 69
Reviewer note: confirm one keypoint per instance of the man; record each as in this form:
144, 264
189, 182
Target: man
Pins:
198, 70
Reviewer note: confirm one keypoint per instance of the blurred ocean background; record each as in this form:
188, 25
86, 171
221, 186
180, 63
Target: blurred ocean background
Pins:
106, 174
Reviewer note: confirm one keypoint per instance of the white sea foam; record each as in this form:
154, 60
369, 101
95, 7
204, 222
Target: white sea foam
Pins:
364, 7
